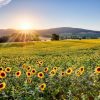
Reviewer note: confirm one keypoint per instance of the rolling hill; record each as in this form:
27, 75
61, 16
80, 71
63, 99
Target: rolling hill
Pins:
68, 32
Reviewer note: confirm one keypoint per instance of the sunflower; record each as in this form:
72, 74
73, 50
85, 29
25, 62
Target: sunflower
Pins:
28, 74
18, 73
37, 62
78, 73
46, 70
1, 68
42, 87
28, 68
62, 73
8, 69
55, 68
29, 80
2, 86
24, 66
40, 63
81, 69
40, 75
33, 71
69, 71
52, 72
5, 63
2, 74
97, 70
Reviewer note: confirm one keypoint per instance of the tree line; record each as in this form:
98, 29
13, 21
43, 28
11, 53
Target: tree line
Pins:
58, 37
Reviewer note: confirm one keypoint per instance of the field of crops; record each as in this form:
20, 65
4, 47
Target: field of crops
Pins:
54, 70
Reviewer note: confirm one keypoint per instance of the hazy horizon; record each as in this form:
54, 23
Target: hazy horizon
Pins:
48, 28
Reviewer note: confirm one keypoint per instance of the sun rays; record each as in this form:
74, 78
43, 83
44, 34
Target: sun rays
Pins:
22, 36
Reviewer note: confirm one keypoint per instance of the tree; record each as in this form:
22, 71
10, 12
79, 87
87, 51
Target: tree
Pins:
55, 37
4, 39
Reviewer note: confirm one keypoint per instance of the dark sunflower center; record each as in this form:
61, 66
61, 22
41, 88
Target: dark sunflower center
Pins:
98, 69
42, 86
8, 69
40, 75
1, 85
29, 74
2, 74
17, 73
41, 62
33, 71
62, 73
0, 68
81, 69
69, 71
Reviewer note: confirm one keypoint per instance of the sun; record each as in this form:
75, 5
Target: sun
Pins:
25, 26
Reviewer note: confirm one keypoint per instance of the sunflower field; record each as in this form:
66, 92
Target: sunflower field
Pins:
53, 70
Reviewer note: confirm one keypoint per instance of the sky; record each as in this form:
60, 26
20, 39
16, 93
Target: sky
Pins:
44, 14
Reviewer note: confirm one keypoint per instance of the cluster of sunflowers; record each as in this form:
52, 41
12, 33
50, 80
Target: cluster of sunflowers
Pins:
3, 75
31, 71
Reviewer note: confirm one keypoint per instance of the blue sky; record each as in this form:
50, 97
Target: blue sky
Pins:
42, 14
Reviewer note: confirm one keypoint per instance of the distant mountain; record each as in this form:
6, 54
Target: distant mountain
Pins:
68, 31
6, 31
63, 32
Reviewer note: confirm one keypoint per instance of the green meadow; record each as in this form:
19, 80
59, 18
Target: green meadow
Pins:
65, 58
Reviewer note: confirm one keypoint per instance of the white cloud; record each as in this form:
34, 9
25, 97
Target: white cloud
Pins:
4, 2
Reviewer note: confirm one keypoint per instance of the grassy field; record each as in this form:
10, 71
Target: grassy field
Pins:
60, 63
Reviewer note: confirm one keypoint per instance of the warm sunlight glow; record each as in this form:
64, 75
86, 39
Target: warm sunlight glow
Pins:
25, 26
